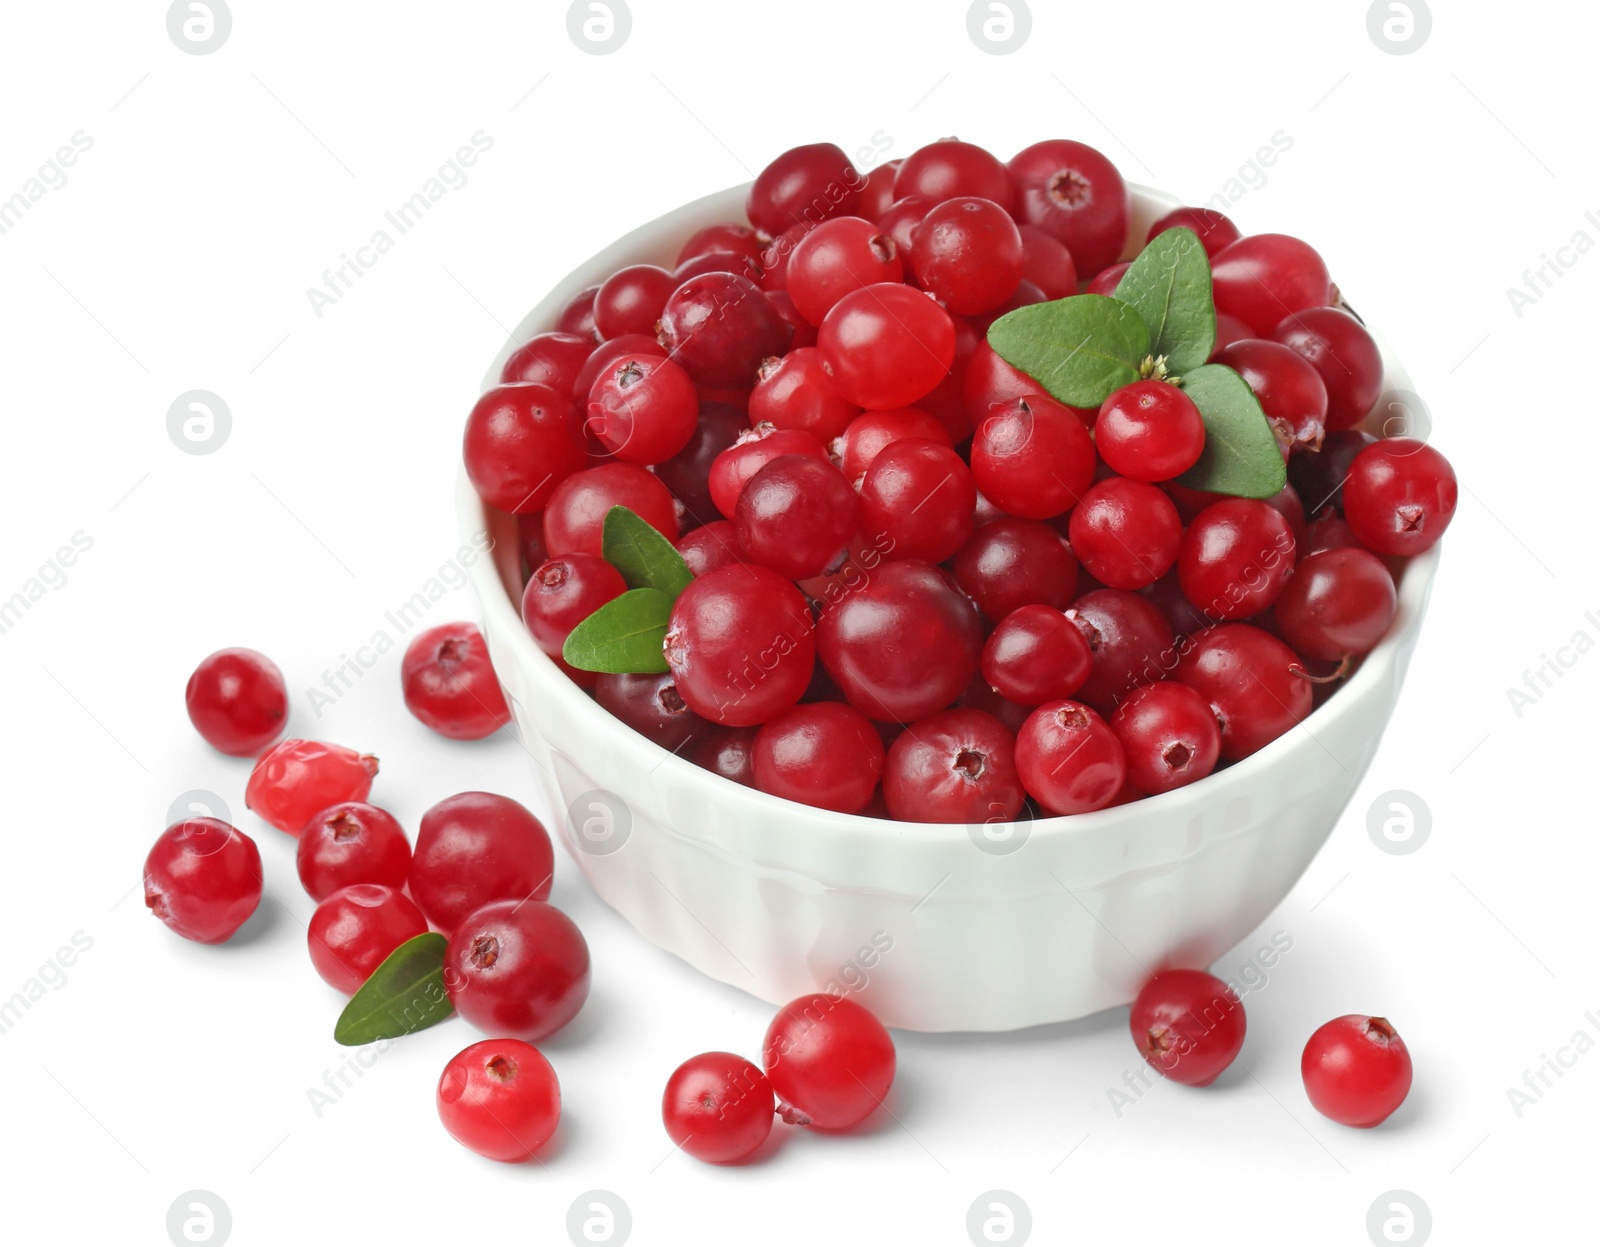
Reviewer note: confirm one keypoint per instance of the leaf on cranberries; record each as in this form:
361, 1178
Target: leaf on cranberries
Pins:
623, 637
1169, 285
404, 995
646, 559
1080, 349
1241, 455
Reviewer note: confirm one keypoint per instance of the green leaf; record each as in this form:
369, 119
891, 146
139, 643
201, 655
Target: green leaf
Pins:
623, 636
1241, 455
1079, 349
405, 994
646, 559
1169, 285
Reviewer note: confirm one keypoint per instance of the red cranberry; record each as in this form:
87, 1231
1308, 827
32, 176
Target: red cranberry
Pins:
552, 359
1264, 277
917, 500
1076, 195
1070, 761
796, 516
807, 184
237, 701
796, 392
721, 239
1188, 1024
733, 468
449, 684
1344, 355
500, 1099
775, 257
350, 843
1236, 557
1011, 562
1230, 329
1319, 476
1130, 639
728, 752
967, 253
871, 431
900, 223
297, 778
1400, 496
1337, 604
1290, 391
717, 262
630, 300
718, 1108
574, 522
353, 930
989, 380
805, 333
1108, 279
1252, 683
518, 968
1047, 263
840, 255
203, 879
1036, 654
877, 192
577, 318
886, 345
1033, 457
1215, 230
1357, 1070
957, 766
949, 169
719, 327
608, 355
1149, 431
564, 592
824, 754
477, 847
1169, 736
530, 539
651, 706
1025, 294
1327, 533
644, 409
520, 445
688, 473
829, 1061
710, 546
1125, 533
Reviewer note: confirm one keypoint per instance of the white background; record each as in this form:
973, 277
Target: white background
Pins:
177, 256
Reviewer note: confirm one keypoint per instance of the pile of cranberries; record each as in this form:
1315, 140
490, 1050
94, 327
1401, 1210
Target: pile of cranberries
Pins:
923, 588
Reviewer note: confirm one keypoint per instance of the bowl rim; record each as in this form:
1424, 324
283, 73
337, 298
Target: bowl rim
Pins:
768, 813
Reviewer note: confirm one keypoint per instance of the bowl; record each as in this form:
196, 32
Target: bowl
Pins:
935, 927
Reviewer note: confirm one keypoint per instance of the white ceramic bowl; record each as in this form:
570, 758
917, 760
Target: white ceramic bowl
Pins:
938, 927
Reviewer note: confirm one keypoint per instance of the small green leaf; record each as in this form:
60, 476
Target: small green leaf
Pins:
1241, 455
405, 994
1169, 284
646, 559
1079, 349
623, 636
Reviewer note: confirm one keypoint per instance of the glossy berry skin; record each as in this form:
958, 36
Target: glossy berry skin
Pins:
830, 1062
718, 1108
1188, 1024
552, 359
775, 256
1344, 355
886, 345
810, 183
1070, 760
719, 327
475, 848
796, 516
203, 879
733, 468
500, 1099
870, 432
1169, 736
1400, 496
574, 522
1125, 533
1076, 195
297, 778
687, 475
1262, 278
902, 645
1032, 457
1010, 562
1034, 655
805, 333
728, 752
1047, 263
957, 766
353, 930
825, 754
900, 224
563, 592
877, 192
796, 392
1230, 329
840, 255
519, 445
1319, 478
740, 642
719, 239
1131, 642
917, 501
577, 318
237, 701
1249, 679
989, 380
609, 355
630, 300
1356, 1069
1109, 278
1215, 231
1337, 604
950, 169
518, 968
644, 409
967, 253
1149, 431
1289, 389
652, 706
351, 843
1236, 557
710, 546
449, 684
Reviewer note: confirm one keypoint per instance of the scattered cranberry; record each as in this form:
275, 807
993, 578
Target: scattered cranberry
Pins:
1262, 278
1149, 431
796, 516
298, 778
1036, 654
500, 1099
351, 843
1070, 761
520, 445
1076, 195
353, 930
1033, 457
917, 500
1169, 736
1400, 496
957, 766
1356, 1069
1188, 1024
237, 702
563, 592
575, 519
203, 879
474, 848
967, 253
643, 409
449, 684
825, 754
517, 967
1252, 681
886, 345
718, 1108
829, 1061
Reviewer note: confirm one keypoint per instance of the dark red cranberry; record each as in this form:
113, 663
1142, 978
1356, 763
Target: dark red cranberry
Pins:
1400, 496
807, 184
1236, 556
474, 848
449, 684
840, 255
726, 751
900, 223
1252, 682
630, 300
796, 516
651, 706
1262, 278
867, 435
967, 253
877, 193
710, 546
949, 169
805, 333
1033, 457
1069, 759
1131, 640
825, 754
1215, 230
754, 449
1338, 604
1047, 263
1076, 195
721, 239
917, 500
796, 392
1319, 476
1034, 655
237, 701
688, 473
577, 318
1125, 533
552, 359
1345, 356
1290, 391
1011, 562
957, 766
719, 327
1108, 279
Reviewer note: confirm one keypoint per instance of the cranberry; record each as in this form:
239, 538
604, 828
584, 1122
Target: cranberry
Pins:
630, 300
949, 169
917, 500
1125, 533
1076, 195
643, 409
1036, 654
956, 766
237, 701
775, 257
474, 848
796, 516
574, 522
1169, 736
1188, 1024
980, 696
203, 879
728, 752
1025, 294
710, 546
717, 262
829, 1061
449, 684
1319, 477
718, 1107
796, 392
1011, 562
719, 327
1149, 431
520, 445
350, 843
824, 754
1356, 1069
1230, 329
806, 184
552, 359
1236, 557
721, 239
652, 706
1252, 682
877, 192
805, 333
1344, 355
1167, 596
1290, 392
577, 318
1130, 639
733, 468
609, 354
1400, 496
297, 778
1264, 277
500, 1099
1108, 279
1070, 761
353, 930
1337, 604
989, 380
739, 640
902, 645
564, 592
840, 255
1215, 230
1328, 532
687, 475
1047, 263
886, 345
530, 540
900, 224
517, 968
871, 431
1033, 457
967, 253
